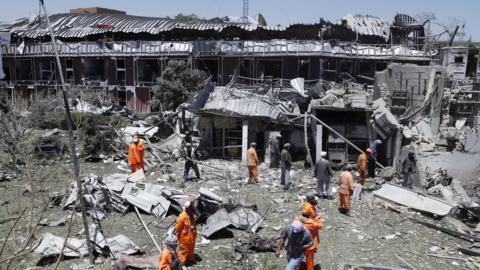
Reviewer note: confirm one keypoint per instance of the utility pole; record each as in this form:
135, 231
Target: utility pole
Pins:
245, 11
73, 150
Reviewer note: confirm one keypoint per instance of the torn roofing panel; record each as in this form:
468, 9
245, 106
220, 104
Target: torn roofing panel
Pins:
413, 200
240, 103
367, 25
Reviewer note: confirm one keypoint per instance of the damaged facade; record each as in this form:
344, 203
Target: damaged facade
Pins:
98, 54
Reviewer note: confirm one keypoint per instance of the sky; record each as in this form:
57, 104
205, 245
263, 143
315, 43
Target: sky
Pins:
282, 12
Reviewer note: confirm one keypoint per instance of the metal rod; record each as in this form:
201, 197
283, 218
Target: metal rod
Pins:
72, 139
146, 229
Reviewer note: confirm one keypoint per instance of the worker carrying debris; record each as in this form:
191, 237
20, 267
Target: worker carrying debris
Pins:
323, 173
298, 240
169, 258
275, 151
362, 164
252, 163
285, 165
136, 151
186, 228
191, 159
409, 168
313, 223
344, 190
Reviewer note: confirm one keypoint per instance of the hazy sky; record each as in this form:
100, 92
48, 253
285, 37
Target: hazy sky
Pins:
275, 11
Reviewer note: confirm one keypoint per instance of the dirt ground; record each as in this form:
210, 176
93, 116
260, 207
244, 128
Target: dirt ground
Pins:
362, 237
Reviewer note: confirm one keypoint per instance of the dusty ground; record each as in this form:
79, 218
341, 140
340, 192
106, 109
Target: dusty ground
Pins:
355, 238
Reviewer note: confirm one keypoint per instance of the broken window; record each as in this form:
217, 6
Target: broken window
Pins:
70, 77
270, 68
210, 66
46, 70
23, 70
365, 68
148, 70
246, 68
303, 68
120, 70
346, 67
94, 69
458, 59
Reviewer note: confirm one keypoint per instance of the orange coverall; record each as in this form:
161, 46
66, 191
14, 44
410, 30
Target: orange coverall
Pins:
186, 235
313, 225
166, 260
310, 210
252, 163
362, 164
346, 187
135, 155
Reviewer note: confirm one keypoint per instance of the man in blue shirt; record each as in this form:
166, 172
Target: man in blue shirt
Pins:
298, 239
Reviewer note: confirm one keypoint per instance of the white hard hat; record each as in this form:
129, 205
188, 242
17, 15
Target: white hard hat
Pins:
323, 154
171, 241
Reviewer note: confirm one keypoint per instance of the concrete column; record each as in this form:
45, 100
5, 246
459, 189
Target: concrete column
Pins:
244, 141
319, 140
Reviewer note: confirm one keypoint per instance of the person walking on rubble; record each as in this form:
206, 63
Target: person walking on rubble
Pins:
409, 168
275, 151
362, 164
372, 158
186, 228
313, 223
169, 257
309, 207
285, 165
252, 163
298, 240
323, 174
136, 151
344, 190
191, 158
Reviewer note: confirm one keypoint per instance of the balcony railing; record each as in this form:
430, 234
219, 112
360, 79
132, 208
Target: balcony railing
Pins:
209, 48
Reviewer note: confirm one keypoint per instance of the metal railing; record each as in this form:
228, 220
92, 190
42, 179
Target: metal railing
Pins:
209, 48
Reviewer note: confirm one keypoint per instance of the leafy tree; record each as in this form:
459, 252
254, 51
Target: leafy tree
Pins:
186, 17
177, 84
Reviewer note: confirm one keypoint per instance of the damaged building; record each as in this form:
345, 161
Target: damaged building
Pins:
122, 56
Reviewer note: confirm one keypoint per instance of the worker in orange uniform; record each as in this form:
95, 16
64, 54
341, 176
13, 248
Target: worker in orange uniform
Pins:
313, 225
362, 164
187, 233
136, 151
252, 163
169, 257
344, 190
310, 206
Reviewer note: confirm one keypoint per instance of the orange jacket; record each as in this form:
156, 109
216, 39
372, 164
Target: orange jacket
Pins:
252, 158
345, 183
313, 225
186, 229
362, 162
136, 152
310, 210
166, 260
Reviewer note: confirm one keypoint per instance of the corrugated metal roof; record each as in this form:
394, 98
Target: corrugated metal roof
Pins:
79, 25
242, 103
368, 25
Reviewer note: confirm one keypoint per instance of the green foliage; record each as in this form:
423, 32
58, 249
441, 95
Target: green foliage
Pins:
186, 17
176, 85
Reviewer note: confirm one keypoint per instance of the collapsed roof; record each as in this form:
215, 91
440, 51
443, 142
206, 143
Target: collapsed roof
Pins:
68, 25
366, 29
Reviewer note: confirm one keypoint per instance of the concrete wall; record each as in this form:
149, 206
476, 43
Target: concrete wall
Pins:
455, 59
